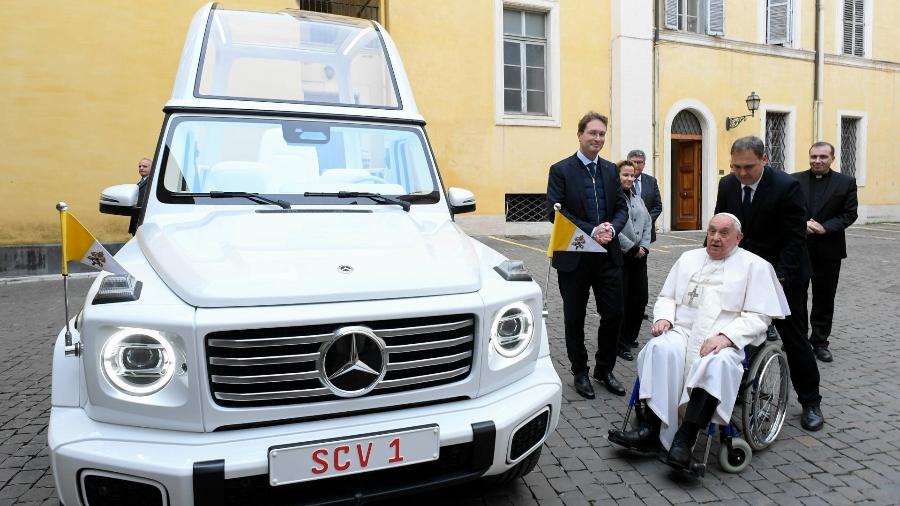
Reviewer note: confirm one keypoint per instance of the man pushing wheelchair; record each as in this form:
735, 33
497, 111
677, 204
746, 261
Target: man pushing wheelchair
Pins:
715, 301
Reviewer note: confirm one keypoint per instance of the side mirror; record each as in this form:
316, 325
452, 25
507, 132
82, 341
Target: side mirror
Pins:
461, 201
121, 200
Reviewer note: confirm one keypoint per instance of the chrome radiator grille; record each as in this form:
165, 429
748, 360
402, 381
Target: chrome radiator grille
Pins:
276, 366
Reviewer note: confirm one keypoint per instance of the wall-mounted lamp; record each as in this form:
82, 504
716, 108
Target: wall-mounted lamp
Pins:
752, 106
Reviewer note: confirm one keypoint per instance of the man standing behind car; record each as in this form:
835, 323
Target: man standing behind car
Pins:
831, 202
588, 189
144, 172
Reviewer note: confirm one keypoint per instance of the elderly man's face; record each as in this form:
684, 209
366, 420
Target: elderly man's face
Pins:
144, 168
638, 165
748, 167
722, 237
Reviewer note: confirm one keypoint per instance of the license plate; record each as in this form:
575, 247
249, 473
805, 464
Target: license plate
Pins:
341, 457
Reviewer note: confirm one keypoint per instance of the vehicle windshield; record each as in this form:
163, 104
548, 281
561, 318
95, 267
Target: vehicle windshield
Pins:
287, 158
295, 56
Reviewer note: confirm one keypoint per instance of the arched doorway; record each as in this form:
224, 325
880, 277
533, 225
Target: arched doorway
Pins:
687, 169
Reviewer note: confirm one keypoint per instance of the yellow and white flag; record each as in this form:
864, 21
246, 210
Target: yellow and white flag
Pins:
80, 246
566, 236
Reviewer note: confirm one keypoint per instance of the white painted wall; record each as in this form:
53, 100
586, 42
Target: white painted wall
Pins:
631, 116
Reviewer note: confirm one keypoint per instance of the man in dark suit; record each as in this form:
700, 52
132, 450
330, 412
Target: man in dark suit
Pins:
772, 210
588, 189
144, 172
831, 202
647, 187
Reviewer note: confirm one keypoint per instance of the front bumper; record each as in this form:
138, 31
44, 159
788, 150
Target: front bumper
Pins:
179, 460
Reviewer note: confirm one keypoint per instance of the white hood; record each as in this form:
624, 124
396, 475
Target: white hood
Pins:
247, 258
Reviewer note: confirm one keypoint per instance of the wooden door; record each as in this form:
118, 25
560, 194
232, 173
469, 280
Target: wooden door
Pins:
687, 185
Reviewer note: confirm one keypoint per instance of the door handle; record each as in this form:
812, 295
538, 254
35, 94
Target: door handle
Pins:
684, 194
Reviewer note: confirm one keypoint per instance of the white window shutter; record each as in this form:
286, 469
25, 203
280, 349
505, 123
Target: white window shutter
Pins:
672, 14
778, 22
715, 20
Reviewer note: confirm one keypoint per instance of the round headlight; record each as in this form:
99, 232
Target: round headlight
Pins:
138, 361
512, 329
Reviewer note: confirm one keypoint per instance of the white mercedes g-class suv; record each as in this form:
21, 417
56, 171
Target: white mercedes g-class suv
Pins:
306, 323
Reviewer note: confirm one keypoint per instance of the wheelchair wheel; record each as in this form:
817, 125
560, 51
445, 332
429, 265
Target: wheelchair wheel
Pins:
766, 396
738, 458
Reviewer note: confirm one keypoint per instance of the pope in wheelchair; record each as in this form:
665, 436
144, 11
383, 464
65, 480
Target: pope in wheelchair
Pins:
715, 301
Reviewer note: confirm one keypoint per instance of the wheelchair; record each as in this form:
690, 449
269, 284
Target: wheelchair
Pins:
759, 411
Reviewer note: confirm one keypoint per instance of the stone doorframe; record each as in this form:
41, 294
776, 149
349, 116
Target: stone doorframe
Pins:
710, 169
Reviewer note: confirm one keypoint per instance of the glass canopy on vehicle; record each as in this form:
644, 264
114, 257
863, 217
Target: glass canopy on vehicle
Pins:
295, 56
290, 157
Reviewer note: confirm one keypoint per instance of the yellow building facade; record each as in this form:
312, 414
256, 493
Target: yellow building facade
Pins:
501, 83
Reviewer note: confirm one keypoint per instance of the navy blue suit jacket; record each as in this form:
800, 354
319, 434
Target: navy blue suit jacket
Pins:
565, 186
775, 229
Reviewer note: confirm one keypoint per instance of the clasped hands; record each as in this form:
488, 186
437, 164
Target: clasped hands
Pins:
814, 227
603, 233
712, 344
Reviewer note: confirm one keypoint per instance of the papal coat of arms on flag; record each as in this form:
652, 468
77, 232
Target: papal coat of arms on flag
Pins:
566, 236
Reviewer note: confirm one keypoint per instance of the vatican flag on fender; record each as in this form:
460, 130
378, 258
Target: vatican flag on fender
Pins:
80, 246
566, 236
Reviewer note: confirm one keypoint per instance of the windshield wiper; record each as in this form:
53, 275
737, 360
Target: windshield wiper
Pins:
421, 196
255, 197
376, 197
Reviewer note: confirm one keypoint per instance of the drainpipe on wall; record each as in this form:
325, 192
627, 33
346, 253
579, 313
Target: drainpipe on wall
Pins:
819, 103
655, 105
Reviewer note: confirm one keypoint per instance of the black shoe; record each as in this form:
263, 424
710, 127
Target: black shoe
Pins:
610, 382
812, 419
771, 333
644, 439
822, 353
680, 453
583, 386
625, 354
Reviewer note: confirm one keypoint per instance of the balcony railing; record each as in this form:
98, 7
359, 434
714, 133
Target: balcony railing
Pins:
365, 9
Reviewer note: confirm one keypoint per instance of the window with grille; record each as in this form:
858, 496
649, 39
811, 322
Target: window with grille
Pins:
854, 27
526, 207
354, 8
524, 62
849, 136
696, 16
776, 139
778, 22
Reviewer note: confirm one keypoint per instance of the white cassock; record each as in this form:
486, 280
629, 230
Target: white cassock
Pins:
737, 296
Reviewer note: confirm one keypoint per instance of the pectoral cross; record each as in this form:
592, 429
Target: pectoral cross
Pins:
693, 294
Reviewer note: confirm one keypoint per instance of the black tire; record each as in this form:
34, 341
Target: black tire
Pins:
521, 469
765, 397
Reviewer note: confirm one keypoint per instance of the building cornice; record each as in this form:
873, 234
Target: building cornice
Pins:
707, 41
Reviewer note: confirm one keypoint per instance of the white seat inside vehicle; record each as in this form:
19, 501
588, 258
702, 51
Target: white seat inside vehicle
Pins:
234, 176
291, 165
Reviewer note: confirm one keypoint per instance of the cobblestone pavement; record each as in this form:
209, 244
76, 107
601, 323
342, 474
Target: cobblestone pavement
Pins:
855, 459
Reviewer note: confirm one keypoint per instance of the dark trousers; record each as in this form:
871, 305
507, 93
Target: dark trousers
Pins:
825, 274
634, 288
801, 361
596, 272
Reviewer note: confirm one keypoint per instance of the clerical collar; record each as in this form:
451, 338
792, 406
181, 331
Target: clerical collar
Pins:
821, 176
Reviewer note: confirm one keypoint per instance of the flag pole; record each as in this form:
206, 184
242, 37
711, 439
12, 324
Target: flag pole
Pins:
62, 207
544, 312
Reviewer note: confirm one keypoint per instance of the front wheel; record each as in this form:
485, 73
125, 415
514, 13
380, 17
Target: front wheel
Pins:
519, 470
738, 458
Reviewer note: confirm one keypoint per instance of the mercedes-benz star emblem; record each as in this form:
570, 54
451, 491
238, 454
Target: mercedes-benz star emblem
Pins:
352, 362
345, 269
